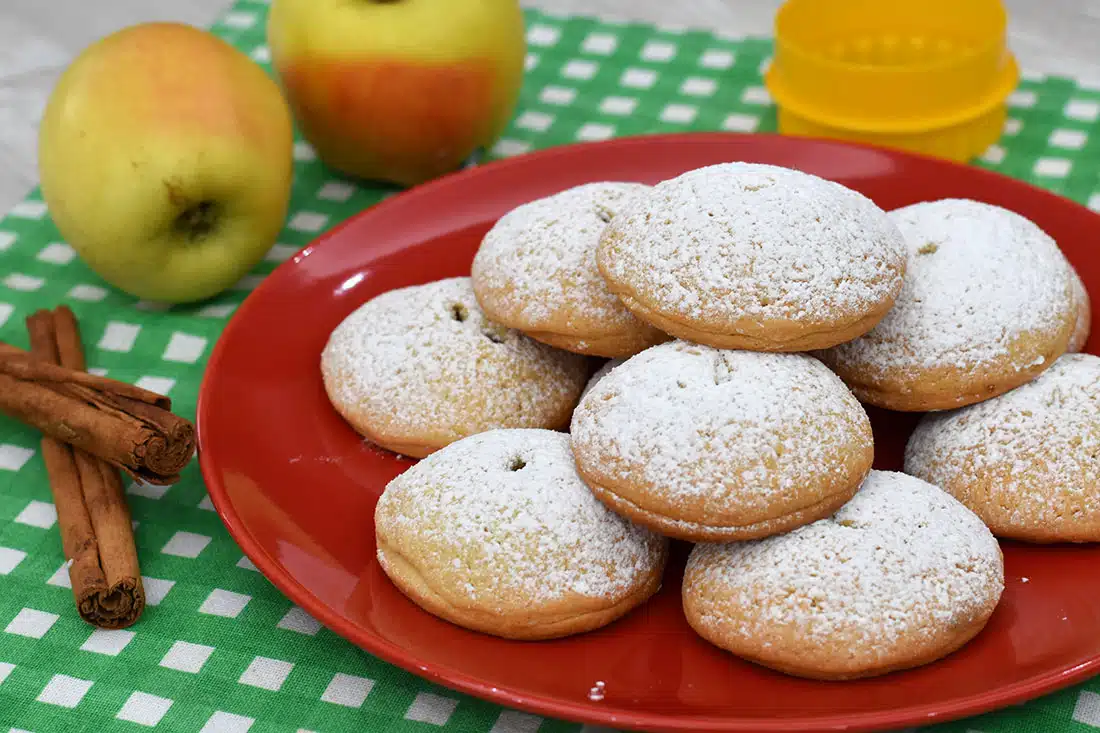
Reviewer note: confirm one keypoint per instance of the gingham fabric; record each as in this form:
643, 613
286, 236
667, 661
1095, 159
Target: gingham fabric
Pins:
219, 649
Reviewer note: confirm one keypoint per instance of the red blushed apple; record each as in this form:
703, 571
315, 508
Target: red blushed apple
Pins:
165, 156
398, 90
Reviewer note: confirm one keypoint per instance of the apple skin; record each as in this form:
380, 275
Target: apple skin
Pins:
399, 91
166, 157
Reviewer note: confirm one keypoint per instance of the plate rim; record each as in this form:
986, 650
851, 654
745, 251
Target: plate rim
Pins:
1038, 685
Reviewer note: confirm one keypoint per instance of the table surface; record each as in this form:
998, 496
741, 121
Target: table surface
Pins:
37, 39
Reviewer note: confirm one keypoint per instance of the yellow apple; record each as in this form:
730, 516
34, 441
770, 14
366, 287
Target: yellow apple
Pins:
398, 90
165, 157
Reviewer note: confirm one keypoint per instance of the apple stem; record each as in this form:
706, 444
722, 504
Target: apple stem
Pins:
199, 220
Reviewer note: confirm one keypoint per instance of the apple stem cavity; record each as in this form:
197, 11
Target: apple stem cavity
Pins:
198, 220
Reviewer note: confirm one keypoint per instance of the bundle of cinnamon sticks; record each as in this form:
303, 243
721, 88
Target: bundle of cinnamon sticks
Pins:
92, 427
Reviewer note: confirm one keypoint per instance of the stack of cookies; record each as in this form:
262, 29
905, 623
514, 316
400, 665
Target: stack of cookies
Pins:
744, 314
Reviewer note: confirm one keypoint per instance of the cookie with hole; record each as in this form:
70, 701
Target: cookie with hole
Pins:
497, 533
536, 271
752, 256
708, 445
900, 576
419, 367
988, 303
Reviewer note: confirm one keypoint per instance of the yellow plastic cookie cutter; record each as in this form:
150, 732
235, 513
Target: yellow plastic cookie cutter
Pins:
929, 76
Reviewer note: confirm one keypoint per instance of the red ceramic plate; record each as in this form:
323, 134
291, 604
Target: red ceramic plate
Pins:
296, 487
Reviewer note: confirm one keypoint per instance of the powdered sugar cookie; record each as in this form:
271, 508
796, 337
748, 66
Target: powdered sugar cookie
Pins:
1027, 462
750, 256
416, 368
902, 575
536, 271
600, 373
986, 306
498, 533
1083, 309
705, 444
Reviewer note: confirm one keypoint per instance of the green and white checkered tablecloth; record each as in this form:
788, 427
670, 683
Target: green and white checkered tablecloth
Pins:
219, 649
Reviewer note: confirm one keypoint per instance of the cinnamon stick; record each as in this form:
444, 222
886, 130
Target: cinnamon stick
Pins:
124, 600
70, 349
96, 531
78, 540
129, 427
24, 366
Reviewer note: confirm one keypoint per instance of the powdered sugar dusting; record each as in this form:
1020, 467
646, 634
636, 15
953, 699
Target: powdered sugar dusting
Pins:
902, 557
736, 240
602, 372
1083, 305
425, 358
503, 515
1031, 456
538, 262
742, 429
978, 278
